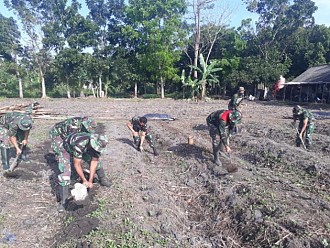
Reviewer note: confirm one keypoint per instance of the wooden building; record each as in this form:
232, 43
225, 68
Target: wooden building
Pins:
313, 85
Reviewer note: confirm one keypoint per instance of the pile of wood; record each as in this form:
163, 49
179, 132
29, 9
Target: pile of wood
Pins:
25, 108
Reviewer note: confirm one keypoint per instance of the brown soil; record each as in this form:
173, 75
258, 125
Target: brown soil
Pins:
278, 197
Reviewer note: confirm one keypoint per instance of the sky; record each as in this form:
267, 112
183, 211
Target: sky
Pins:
238, 12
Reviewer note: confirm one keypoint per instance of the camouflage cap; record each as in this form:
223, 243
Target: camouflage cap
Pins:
98, 142
89, 124
297, 110
25, 122
235, 116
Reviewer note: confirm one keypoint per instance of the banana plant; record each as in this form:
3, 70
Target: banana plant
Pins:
207, 73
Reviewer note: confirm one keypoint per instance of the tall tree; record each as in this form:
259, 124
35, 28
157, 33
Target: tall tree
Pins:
32, 21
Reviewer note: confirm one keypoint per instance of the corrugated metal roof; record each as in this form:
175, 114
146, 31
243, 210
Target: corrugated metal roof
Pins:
315, 75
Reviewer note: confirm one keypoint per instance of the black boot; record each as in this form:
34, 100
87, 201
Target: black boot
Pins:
155, 151
216, 159
102, 178
64, 195
5, 158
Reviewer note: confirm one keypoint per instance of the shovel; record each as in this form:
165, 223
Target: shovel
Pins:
16, 160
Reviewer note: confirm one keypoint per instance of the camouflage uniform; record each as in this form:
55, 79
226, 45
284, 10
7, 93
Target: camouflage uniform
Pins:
221, 123
72, 125
301, 116
75, 145
9, 127
138, 128
85, 146
236, 99
13, 124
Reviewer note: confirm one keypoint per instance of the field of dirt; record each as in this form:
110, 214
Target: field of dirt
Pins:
279, 197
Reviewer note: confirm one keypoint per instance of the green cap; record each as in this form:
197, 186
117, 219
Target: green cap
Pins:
89, 124
25, 122
98, 142
235, 116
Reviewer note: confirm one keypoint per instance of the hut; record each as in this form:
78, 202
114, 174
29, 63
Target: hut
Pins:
313, 85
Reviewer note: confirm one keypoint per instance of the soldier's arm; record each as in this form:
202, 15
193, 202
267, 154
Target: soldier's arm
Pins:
92, 169
303, 129
13, 140
143, 136
26, 136
77, 163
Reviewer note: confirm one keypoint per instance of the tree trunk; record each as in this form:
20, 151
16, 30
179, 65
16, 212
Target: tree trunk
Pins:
20, 85
68, 89
101, 93
135, 90
162, 87
203, 89
43, 85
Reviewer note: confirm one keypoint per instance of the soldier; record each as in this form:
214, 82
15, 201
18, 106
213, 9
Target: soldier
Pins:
139, 129
76, 148
236, 99
222, 122
305, 126
15, 129
69, 126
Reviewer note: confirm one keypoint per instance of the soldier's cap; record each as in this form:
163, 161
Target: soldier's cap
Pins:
98, 142
297, 110
241, 89
89, 124
235, 116
25, 122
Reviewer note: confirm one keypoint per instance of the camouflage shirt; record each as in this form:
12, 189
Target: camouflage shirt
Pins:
78, 144
136, 125
220, 119
235, 101
69, 126
304, 115
10, 122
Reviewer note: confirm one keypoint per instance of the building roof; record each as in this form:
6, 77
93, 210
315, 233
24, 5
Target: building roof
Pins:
314, 75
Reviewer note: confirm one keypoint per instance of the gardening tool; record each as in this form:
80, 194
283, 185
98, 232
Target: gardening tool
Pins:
302, 141
16, 160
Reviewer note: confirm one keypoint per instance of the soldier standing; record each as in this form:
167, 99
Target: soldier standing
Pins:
236, 99
77, 148
221, 123
139, 129
14, 129
305, 127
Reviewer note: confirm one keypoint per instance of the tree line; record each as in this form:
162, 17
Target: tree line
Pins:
153, 47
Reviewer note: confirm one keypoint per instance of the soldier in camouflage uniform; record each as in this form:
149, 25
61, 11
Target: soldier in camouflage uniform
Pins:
14, 129
221, 123
69, 126
139, 129
79, 147
305, 127
236, 99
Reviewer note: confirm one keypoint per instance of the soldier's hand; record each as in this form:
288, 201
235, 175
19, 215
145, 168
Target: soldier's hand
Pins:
228, 149
88, 184
24, 142
140, 148
18, 151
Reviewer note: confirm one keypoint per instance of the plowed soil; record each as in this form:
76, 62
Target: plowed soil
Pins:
278, 197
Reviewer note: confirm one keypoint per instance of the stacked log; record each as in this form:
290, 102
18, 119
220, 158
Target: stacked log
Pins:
37, 110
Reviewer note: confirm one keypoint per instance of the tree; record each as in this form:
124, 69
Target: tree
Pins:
10, 48
32, 21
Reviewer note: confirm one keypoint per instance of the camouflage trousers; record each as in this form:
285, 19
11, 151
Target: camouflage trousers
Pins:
5, 138
65, 165
149, 139
57, 141
307, 135
214, 132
